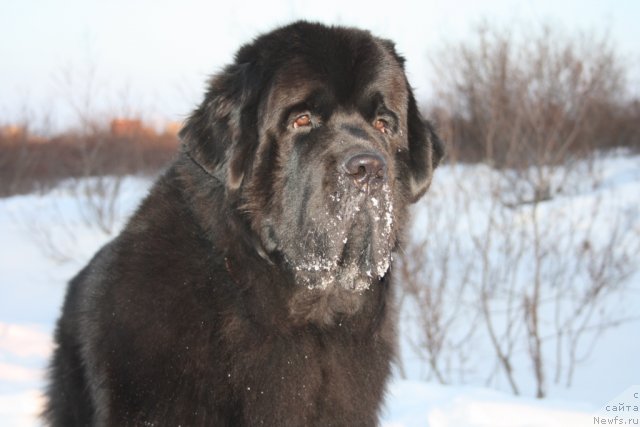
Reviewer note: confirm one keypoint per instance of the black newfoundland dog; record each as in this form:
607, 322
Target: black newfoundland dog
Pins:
253, 284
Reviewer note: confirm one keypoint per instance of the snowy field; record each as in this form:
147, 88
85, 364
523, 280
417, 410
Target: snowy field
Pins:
47, 238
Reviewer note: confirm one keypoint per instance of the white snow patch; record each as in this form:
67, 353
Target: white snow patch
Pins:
419, 404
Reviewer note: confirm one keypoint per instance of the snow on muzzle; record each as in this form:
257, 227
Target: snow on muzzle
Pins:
349, 242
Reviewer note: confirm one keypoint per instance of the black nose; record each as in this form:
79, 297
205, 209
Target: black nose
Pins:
366, 169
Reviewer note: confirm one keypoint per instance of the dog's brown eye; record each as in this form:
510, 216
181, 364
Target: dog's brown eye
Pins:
380, 125
302, 121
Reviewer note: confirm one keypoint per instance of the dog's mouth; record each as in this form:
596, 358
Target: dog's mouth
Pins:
349, 239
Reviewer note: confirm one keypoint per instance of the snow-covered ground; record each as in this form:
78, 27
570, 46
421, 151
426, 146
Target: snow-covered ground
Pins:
45, 239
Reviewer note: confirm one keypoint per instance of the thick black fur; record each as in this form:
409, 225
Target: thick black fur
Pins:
208, 309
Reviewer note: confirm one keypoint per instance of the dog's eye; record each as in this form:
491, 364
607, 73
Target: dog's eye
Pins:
381, 125
302, 121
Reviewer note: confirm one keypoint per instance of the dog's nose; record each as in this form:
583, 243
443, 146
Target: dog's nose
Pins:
366, 169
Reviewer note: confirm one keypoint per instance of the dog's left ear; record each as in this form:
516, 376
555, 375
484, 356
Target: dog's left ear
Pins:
425, 150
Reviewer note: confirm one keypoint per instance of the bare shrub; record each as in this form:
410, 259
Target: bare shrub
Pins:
31, 162
514, 295
38, 161
532, 98
91, 159
514, 284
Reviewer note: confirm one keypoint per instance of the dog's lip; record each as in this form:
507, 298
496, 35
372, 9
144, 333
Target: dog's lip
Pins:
376, 207
354, 238
370, 231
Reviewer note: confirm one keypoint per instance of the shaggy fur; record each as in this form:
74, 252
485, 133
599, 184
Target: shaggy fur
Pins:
253, 284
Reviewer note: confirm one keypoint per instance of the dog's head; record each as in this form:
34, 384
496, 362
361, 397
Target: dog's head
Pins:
317, 137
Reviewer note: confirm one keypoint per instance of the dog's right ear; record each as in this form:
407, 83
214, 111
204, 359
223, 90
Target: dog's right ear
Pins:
221, 133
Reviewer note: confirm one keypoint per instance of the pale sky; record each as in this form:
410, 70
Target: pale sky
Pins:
153, 56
